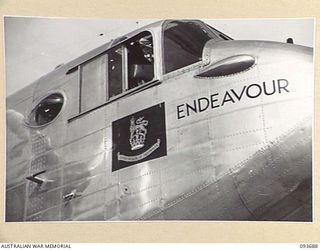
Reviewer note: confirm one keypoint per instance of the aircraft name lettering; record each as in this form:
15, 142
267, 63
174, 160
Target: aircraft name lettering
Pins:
217, 100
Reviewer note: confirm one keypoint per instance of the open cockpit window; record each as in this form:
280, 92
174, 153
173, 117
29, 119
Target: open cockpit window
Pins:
183, 43
140, 60
46, 110
123, 67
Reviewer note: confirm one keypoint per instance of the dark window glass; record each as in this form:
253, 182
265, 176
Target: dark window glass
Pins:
140, 60
130, 64
183, 44
122, 67
46, 110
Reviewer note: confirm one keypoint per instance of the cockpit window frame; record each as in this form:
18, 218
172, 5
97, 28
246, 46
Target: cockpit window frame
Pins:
125, 84
126, 91
181, 70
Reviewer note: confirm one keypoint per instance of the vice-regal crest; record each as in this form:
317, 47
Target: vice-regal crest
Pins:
138, 132
139, 137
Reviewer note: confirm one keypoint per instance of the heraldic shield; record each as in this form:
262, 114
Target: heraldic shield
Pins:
139, 137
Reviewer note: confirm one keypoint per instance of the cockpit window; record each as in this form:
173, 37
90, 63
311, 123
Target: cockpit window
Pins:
47, 110
140, 60
126, 65
183, 44
130, 64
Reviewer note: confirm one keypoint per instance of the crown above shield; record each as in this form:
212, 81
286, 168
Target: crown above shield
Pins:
138, 132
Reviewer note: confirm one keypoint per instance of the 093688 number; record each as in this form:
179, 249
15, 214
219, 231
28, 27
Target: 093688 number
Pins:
308, 245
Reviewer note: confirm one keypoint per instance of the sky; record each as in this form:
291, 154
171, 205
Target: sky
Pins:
35, 46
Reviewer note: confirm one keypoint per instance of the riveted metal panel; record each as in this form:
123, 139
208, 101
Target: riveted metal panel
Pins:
136, 102
47, 161
93, 214
112, 192
229, 129
139, 190
112, 177
20, 96
41, 200
89, 194
229, 200
52, 214
112, 210
286, 116
182, 176
18, 143
110, 113
273, 183
22, 106
77, 170
85, 125
192, 134
172, 138
173, 188
133, 206
86, 186
224, 203
83, 148
140, 177
89, 207
236, 136
15, 175
225, 160
15, 200
45, 158
46, 84
18, 149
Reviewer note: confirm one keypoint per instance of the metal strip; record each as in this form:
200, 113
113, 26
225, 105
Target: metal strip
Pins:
106, 79
80, 86
125, 85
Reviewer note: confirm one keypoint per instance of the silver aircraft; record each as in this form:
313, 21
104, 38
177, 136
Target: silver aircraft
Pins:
173, 121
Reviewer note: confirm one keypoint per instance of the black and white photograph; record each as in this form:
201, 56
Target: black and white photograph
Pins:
159, 119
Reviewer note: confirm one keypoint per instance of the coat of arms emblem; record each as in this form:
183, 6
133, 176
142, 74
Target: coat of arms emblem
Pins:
138, 132
139, 137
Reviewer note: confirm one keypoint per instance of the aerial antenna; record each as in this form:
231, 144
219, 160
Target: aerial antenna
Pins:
290, 40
